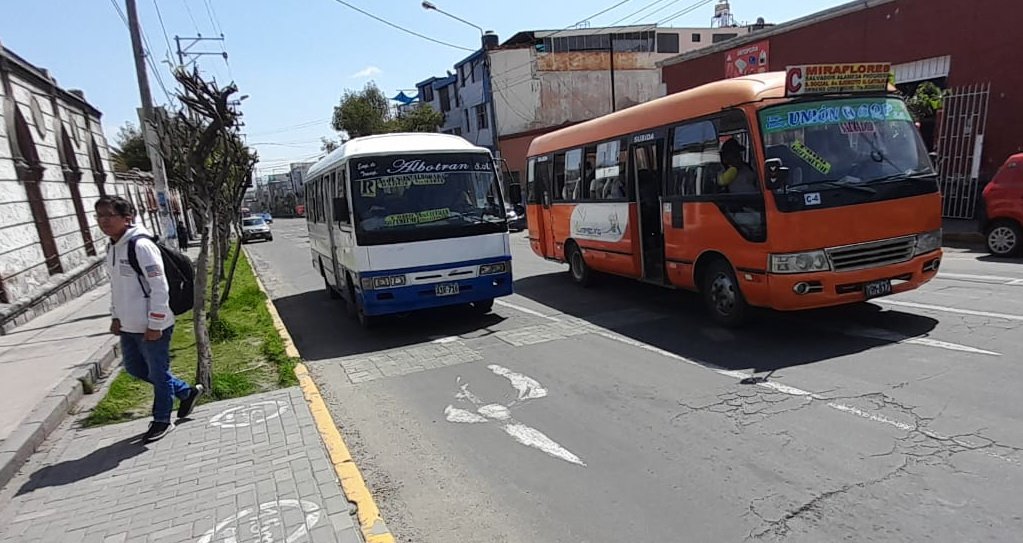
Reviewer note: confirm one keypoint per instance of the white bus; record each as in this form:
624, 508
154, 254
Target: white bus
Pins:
402, 222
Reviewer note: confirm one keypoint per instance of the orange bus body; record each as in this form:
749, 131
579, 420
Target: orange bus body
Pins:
703, 232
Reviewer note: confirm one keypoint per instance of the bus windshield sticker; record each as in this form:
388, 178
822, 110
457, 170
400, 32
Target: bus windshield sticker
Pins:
433, 164
398, 183
832, 112
858, 127
810, 157
406, 219
812, 199
643, 137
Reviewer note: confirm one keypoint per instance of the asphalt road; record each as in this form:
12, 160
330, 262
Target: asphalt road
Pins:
619, 413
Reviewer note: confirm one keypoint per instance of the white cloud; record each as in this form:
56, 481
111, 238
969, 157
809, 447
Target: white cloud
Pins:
368, 71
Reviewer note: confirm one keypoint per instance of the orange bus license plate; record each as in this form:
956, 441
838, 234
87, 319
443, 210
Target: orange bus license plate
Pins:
878, 288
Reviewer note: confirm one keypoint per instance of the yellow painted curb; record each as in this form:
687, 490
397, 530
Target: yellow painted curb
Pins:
374, 530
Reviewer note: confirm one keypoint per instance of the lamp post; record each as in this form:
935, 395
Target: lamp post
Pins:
488, 81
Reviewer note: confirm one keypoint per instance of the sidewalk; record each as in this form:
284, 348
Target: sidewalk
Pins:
251, 469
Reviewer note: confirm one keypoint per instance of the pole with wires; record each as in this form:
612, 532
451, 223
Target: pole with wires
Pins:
148, 121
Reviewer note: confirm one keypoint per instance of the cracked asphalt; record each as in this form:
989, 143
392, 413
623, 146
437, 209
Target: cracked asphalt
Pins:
898, 420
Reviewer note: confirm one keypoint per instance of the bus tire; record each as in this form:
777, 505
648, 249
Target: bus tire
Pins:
483, 306
331, 291
722, 295
581, 273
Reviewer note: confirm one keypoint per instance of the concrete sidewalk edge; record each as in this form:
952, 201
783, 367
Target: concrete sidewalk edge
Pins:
54, 408
372, 525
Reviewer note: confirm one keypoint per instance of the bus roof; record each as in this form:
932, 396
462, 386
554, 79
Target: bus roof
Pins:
696, 102
402, 142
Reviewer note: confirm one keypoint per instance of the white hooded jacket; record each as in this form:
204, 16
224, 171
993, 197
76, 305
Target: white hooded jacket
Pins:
128, 290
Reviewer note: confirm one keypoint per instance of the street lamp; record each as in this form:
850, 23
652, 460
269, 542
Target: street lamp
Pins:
430, 6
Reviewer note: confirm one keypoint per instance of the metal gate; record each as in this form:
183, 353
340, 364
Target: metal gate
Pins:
961, 127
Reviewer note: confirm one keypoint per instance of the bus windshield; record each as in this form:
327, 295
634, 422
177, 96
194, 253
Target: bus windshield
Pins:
857, 141
403, 198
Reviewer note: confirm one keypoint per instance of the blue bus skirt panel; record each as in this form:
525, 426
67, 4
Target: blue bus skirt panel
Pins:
415, 297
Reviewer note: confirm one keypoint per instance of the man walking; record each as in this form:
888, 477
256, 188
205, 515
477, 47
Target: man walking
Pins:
141, 313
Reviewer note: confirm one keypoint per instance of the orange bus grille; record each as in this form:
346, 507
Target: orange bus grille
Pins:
872, 254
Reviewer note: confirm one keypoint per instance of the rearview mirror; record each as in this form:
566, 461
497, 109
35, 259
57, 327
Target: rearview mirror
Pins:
341, 210
777, 173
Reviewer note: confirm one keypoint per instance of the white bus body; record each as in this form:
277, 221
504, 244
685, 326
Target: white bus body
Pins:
402, 222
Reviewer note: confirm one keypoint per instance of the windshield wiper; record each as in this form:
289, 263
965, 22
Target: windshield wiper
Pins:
923, 174
836, 183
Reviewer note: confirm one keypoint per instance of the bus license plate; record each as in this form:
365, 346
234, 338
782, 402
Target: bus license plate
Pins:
446, 289
878, 288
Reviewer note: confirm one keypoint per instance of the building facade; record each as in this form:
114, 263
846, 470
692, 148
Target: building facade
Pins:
962, 47
54, 164
441, 94
545, 80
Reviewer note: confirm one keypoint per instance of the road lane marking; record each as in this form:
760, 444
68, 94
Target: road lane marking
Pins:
982, 278
956, 310
526, 310
895, 337
872, 416
528, 389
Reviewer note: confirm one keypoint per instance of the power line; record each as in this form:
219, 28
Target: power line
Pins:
644, 8
162, 27
290, 128
219, 30
190, 16
597, 14
403, 29
148, 52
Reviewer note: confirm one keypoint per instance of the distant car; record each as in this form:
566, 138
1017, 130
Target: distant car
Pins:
516, 216
255, 228
266, 217
1003, 209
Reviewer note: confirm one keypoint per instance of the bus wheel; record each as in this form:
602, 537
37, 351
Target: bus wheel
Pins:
331, 291
483, 306
355, 308
722, 295
577, 267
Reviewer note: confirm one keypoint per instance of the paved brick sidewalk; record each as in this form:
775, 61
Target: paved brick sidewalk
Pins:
247, 470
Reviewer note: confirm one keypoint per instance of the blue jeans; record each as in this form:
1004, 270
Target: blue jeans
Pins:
150, 362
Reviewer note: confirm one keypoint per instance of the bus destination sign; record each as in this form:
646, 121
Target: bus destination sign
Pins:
836, 78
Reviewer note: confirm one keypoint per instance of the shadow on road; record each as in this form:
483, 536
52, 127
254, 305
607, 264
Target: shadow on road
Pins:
322, 329
676, 322
93, 464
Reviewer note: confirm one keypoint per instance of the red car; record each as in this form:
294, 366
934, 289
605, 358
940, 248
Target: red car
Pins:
1003, 204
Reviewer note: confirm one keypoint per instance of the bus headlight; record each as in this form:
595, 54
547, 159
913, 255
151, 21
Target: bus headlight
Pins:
811, 261
386, 281
928, 241
491, 269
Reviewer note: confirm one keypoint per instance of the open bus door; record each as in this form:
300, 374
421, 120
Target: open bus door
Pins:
540, 191
646, 171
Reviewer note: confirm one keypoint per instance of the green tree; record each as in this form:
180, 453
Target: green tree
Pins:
130, 150
421, 118
363, 113
926, 101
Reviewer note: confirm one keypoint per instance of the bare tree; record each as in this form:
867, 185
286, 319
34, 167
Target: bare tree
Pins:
195, 144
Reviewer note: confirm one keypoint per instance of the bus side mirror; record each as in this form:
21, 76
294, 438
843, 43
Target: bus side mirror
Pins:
777, 173
341, 210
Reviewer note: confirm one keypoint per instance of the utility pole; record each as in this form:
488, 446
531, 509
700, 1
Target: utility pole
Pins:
149, 126
611, 48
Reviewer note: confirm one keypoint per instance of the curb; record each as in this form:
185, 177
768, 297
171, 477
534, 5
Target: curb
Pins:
374, 529
965, 237
54, 408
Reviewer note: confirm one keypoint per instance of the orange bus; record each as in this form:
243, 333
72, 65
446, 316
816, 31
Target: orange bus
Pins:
745, 190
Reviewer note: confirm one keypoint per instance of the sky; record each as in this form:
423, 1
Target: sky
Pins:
294, 58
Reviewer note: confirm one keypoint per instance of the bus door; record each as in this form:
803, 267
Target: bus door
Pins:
646, 157
540, 191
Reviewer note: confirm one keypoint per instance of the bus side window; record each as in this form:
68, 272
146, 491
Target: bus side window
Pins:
532, 188
558, 186
610, 179
587, 190
341, 191
573, 175
695, 160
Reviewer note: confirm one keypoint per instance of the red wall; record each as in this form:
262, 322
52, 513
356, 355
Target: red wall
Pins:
982, 37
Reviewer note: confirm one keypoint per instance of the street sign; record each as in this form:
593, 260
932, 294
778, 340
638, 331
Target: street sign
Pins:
807, 79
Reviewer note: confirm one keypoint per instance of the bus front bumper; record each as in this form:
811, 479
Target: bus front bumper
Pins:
425, 296
790, 292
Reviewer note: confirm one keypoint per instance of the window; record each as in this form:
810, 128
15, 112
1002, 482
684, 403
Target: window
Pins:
558, 184
667, 43
609, 179
481, 117
472, 71
468, 127
573, 175
695, 160
697, 37
427, 93
538, 178
445, 99
718, 38
463, 72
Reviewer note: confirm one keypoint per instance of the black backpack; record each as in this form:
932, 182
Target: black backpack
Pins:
176, 267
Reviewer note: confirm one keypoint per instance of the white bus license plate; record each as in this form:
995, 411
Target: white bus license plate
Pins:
877, 288
446, 289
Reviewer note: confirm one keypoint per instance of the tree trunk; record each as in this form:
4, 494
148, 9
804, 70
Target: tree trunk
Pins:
231, 270
204, 351
218, 270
